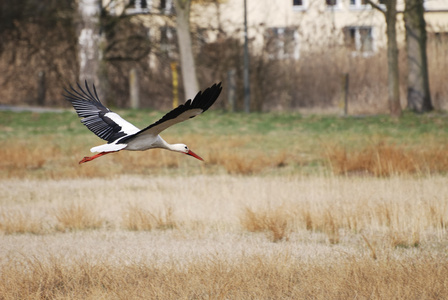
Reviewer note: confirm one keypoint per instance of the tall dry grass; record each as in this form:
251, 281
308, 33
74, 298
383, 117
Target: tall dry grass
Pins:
276, 222
398, 208
32, 159
383, 159
77, 216
335, 237
15, 221
138, 218
279, 276
248, 164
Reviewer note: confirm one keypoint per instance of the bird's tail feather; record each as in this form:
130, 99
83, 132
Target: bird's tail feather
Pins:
108, 148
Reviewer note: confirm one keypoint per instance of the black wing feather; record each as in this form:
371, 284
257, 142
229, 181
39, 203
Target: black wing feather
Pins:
90, 108
202, 100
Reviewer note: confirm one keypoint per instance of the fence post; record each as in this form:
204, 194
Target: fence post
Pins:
231, 89
175, 84
41, 88
345, 80
134, 89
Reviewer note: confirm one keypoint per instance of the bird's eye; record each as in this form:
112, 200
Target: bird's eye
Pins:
186, 148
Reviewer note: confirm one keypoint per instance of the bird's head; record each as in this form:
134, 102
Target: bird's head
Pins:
184, 149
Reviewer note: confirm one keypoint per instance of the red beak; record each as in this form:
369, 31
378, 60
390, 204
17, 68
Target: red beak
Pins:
191, 153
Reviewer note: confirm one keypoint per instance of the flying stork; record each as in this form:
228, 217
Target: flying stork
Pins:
122, 135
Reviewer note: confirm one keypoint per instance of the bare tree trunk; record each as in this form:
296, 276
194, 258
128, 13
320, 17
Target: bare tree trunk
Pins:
188, 66
419, 97
393, 80
90, 45
392, 59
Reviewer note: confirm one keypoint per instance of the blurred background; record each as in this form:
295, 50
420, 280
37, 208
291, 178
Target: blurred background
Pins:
327, 55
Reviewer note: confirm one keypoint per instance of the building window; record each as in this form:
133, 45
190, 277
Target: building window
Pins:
359, 39
439, 39
166, 7
364, 4
359, 4
138, 7
333, 4
299, 5
282, 43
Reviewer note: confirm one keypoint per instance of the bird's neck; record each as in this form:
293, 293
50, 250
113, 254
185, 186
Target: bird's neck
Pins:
161, 143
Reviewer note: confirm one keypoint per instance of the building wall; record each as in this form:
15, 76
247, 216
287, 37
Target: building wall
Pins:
317, 24
274, 25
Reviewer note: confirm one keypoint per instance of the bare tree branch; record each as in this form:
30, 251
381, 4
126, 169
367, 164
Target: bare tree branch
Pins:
376, 6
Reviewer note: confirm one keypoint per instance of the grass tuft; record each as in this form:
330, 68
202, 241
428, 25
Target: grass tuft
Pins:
18, 222
324, 221
330, 227
23, 157
385, 160
77, 217
276, 222
249, 163
139, 219
403, 239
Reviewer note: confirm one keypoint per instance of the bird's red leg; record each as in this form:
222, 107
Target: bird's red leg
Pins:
89, 158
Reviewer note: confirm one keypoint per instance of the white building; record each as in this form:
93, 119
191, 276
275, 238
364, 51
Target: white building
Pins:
284, 28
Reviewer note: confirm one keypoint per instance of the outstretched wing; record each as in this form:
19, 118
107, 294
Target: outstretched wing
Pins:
99, 119
188, 110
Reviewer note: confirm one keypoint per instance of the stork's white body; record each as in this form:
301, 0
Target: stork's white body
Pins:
122, 135
139, 144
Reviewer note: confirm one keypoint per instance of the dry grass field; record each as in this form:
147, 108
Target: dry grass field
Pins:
224, 237
289, 208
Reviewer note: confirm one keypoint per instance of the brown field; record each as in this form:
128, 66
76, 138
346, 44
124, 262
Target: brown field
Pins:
32, 159
284, 207
224, 237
